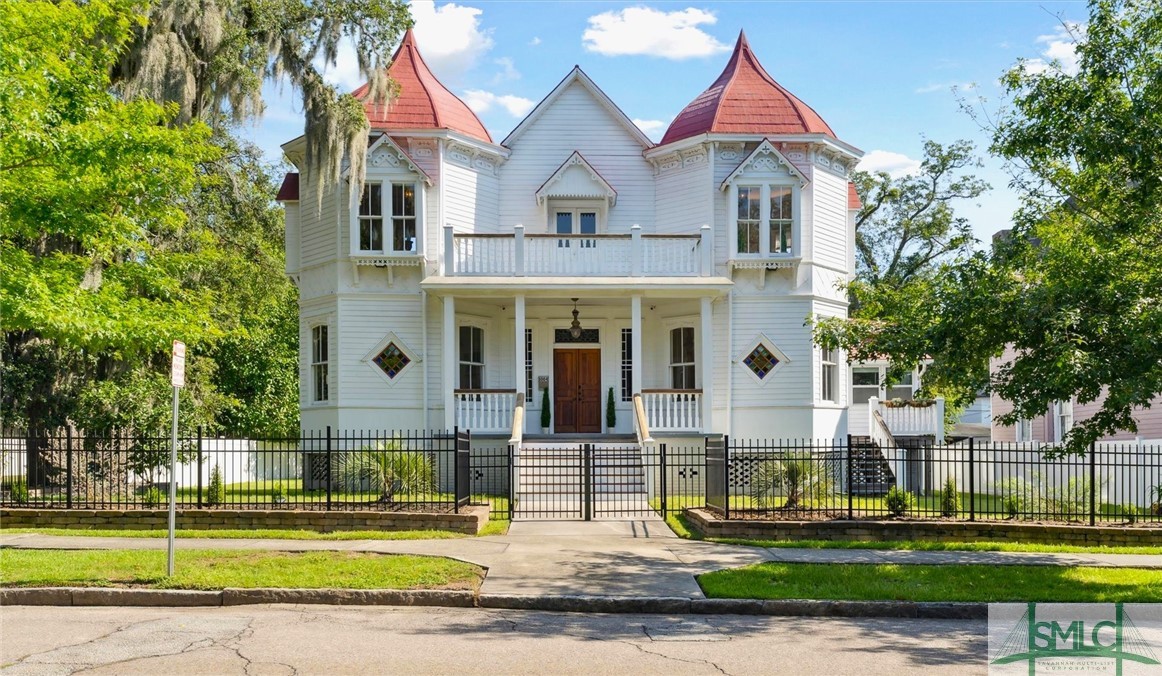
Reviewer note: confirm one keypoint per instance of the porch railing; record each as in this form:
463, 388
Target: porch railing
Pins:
673, 410
909, 418
485, 411
632, 255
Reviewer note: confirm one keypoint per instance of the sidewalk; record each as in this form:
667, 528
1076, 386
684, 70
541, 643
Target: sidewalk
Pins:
640, 558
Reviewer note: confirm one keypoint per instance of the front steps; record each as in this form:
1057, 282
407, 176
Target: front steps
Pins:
551, 479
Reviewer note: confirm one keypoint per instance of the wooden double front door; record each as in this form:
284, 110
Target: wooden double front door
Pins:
577, 390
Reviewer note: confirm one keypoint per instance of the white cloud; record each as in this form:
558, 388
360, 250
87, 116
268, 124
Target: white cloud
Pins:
344, 73
648, 31
481, 101
507, 72
946, 86
896, 164
534, 42
653, 128
1060, 51
450, 37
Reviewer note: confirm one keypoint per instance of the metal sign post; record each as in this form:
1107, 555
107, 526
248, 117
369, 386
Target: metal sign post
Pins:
178, 380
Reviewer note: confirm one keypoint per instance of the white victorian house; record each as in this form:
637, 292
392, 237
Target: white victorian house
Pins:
578, 258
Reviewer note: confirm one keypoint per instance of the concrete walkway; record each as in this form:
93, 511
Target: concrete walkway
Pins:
639, 558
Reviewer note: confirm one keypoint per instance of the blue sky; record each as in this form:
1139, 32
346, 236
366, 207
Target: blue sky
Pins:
880, 73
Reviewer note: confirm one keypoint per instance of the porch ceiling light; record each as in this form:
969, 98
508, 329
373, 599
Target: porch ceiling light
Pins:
575, 327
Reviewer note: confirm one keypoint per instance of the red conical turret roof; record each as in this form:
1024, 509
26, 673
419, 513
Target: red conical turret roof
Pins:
423, 102
745, 100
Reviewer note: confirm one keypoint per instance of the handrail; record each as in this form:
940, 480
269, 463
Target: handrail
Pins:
518, 421
696, 390
641, 425
500, 391
885, 433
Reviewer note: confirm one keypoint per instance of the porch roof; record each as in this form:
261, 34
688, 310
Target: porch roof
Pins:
562, 287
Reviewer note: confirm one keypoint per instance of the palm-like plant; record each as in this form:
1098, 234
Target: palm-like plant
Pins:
798, 478
387, 469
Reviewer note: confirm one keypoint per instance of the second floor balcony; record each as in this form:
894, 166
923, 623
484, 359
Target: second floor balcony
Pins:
596, 255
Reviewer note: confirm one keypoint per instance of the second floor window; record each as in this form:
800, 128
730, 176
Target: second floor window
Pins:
780, 219
765, 219
749, 219
399, 230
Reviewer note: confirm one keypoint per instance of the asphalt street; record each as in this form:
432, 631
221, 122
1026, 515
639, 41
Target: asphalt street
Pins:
257, 640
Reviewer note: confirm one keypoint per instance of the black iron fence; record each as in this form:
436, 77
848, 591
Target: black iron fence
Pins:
1115, 482
321, 470
437, 471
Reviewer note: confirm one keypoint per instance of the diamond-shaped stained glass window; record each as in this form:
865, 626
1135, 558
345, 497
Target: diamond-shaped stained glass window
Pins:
761, 361
392, 360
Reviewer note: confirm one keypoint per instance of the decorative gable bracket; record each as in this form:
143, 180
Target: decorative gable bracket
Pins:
385, 153
576, 178
766, 158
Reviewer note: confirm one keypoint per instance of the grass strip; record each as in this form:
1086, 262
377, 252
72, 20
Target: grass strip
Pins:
681, 526
217, 569
894, 582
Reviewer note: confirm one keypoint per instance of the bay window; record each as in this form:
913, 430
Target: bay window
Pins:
399, 199
749, 219
780, 219
765, 219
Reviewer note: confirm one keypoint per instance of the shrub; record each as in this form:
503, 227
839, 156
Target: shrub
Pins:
949, 499
799, 478
278, 493
1012, 506
898, 501
216, 491
388, 469
153, 497
1045, 497
610, 411
1156, 505
546, 413
1130, 512
18, 491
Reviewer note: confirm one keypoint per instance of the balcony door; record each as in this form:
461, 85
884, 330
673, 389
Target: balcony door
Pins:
574, 221
577, 390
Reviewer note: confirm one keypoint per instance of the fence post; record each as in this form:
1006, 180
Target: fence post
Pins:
511, 481
971, 481
662, 460
726, 475
199, 466
1092, 483
68, 467
328, 447
587, 477
850, 482
456, 469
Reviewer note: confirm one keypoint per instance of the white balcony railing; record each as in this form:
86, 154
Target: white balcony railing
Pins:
632, 255
909, 419
485, 411
673, 410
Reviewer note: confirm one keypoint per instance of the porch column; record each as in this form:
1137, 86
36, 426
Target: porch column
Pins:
707, 364
449, 367
635, 329
521, 354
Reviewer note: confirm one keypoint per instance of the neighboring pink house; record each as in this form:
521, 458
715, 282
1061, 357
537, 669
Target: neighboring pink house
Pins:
1060, 418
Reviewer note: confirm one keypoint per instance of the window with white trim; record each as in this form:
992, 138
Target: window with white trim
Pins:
1063, 418
320, 349
400, 229
471, 358
1024, 429
865, 384
682, 358
827, 375
627, 364
749, 219
780, 219
904, 388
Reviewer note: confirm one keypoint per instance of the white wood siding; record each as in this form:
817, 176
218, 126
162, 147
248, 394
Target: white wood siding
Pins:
472, 200
577, 121
829, 199
683, 200
317, 224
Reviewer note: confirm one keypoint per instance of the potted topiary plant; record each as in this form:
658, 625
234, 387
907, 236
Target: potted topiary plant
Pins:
546, 414
610, 411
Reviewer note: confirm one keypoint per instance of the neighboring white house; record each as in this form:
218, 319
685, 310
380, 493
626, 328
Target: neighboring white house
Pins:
579, 257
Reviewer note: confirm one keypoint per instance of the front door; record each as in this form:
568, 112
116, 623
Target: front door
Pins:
577, 390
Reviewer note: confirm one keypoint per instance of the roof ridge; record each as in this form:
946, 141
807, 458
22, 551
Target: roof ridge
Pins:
409, 41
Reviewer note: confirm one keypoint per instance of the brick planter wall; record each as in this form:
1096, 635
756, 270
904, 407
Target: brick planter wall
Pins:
708, 524
470, 519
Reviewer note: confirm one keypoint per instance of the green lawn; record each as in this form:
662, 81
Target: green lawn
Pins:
891, 582
216, 569
258, 533
681, 527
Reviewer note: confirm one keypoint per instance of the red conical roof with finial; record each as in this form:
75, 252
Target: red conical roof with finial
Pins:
423, 101
745, 100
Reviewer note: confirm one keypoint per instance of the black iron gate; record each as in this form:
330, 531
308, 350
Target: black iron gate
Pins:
583, 481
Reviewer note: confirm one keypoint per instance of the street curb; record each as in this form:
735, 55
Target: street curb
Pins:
655, 605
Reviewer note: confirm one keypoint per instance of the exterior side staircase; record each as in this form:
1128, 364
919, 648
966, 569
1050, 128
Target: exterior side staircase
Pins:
871, 474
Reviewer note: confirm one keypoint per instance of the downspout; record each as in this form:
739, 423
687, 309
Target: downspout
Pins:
730, 363
424, 340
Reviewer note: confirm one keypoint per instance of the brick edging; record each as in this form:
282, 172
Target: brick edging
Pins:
708, 524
